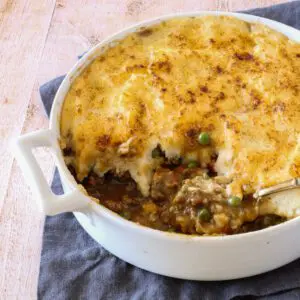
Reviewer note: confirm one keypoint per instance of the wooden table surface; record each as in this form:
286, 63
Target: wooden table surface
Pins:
39, 40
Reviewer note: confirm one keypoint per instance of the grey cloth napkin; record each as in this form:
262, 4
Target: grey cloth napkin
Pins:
74, 266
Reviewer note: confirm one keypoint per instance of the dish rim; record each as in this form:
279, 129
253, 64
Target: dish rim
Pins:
87, 58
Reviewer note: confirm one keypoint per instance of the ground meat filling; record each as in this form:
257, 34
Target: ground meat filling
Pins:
182, 199
202, 194
166, 182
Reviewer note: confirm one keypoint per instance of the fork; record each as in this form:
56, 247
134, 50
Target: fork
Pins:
283, 186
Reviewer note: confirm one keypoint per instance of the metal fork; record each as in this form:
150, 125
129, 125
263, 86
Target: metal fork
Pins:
283, 186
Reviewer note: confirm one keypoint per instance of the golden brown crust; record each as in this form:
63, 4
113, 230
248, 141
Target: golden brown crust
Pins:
166, 84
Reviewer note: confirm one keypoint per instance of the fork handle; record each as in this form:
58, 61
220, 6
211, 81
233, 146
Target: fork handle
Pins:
283, 186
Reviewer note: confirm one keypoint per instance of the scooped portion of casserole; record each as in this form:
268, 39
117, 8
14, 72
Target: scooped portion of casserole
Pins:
178, 124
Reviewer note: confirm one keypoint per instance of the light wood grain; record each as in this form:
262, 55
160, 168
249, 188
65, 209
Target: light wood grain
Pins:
40, 40
23, 30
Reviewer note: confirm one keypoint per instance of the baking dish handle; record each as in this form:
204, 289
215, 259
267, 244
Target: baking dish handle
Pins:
50, 203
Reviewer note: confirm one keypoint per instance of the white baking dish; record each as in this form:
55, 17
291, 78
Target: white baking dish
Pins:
176, 255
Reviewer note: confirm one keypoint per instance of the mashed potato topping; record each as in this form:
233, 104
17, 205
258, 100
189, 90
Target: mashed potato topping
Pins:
165, 84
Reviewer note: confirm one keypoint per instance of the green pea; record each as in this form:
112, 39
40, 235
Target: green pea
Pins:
234, 201
156, 153
192, 164
204, 214
126, 214
204, 138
